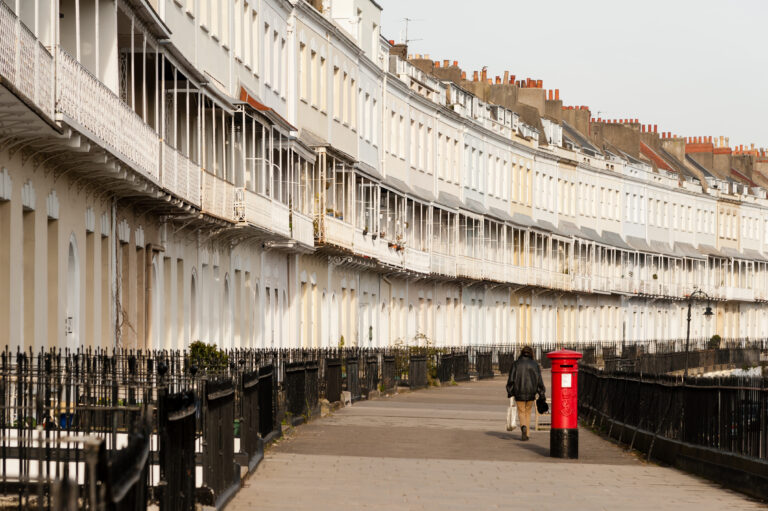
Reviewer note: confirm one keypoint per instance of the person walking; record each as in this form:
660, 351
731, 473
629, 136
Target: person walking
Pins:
524, 382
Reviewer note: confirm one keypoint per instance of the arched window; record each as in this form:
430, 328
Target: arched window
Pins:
72, 310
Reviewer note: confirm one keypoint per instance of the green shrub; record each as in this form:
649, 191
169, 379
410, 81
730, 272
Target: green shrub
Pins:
207, 356
714, 342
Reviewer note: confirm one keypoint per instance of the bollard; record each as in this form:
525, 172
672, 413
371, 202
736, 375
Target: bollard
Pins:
564, 435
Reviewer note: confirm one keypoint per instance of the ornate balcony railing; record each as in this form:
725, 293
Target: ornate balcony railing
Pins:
92, 106
180, 175
443, 264
266, 213
416, 260
338, 232
469, 267
218, 197
493, 270
302, 228
24, 61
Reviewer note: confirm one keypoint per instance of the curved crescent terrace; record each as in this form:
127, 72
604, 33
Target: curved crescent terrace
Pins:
277, 174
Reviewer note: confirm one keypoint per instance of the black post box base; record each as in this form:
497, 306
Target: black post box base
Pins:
564, 443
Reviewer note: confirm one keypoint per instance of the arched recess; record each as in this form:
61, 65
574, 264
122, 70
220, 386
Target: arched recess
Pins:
333, 320
194, 331
72, 307
226, 316
155, 314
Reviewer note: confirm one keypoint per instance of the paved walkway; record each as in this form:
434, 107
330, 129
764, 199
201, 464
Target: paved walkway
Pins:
447, 449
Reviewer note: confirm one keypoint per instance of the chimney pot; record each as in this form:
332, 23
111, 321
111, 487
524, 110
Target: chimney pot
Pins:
655, 128
557, 94
474, 76
512, 78
426, 56
490, 81
437, 64
463, 75
550, 95
446, 63
498, 80
642, 128
392, 42
484, 75
506, 77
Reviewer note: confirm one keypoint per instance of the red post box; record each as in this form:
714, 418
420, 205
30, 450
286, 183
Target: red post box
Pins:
564, 437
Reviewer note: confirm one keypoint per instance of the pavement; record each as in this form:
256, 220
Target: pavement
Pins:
448, 449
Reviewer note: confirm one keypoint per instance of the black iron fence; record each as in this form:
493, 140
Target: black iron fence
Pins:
728, 414
210, 416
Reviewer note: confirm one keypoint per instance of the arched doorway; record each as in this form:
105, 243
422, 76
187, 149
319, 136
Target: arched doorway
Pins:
72, 309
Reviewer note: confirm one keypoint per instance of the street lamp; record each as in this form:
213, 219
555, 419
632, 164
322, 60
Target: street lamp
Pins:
697, 294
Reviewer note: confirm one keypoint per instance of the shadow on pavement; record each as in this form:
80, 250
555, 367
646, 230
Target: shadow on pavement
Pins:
503, 435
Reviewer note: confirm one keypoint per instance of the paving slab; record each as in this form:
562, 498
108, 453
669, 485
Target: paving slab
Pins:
448, 449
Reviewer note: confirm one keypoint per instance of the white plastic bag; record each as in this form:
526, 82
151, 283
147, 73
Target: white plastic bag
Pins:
512, 415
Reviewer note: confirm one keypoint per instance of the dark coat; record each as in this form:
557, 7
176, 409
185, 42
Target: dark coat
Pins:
524, 380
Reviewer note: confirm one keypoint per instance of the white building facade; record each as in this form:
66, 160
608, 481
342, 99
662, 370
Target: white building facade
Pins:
266, 174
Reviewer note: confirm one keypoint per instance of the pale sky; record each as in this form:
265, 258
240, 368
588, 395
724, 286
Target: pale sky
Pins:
694, 67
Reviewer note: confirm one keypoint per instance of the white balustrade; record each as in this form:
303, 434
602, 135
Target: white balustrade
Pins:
495, 271
417, 260
339, 233
302, 229
218, 197
388, 255
469, 267
443, 264
180, 175
24, 61
83, 99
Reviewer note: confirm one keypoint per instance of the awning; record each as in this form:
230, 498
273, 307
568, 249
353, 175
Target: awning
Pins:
423, 194
639, 244
268, 112
662, 248
448, 200
569, 228
500, 214
688, 250
368, 169
523, 220
544, 226
752, 255
710, 250
396, 184
475, 207
311, 140
590, 234
731, 252
613, 239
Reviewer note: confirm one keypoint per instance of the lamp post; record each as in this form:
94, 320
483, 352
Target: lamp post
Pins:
697, 294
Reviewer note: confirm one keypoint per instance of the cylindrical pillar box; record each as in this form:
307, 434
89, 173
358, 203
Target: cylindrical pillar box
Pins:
564, 436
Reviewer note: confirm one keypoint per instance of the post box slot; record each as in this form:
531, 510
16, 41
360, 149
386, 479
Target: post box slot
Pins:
566, 365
